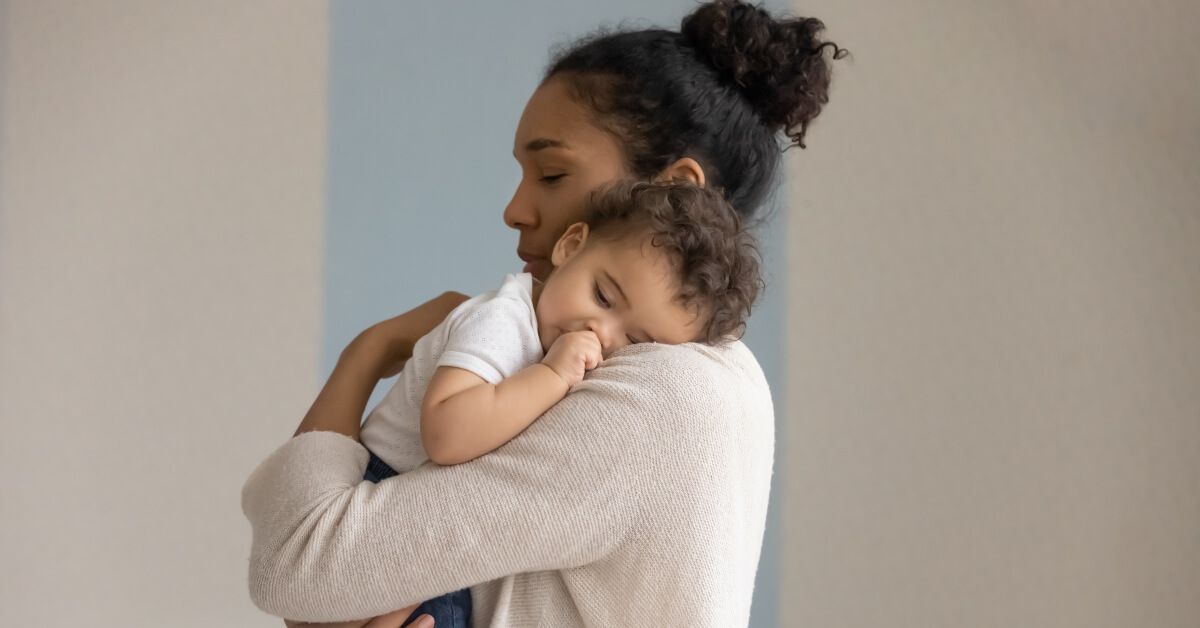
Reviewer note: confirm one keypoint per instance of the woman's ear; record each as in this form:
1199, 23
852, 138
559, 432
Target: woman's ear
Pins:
569, 244
685, 169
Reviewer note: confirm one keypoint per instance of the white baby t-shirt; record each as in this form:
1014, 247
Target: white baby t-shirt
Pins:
493, 335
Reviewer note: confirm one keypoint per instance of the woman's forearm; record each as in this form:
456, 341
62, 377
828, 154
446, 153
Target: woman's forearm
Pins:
371, 356
435, 529
382, 621
340, 405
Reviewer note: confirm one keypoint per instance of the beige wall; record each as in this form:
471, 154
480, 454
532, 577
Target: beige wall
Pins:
160, 213
994, 316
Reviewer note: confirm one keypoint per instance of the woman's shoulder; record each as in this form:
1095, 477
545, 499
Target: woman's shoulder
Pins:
732, 356
697, 371
702, 402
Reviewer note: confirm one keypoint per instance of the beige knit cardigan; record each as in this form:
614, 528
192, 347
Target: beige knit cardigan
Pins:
638, 500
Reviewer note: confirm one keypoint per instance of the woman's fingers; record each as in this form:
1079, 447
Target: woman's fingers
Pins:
396, 619
385, 345
345, 624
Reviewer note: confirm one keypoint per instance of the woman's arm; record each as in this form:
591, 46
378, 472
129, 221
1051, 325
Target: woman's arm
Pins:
391, 620
564, 493
375, 354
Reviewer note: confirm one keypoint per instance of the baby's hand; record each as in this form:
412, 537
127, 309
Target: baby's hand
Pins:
573, 354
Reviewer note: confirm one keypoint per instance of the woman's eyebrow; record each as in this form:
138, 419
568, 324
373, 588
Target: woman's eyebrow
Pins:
543, 142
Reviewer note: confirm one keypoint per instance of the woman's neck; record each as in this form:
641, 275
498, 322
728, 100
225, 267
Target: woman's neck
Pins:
537, 289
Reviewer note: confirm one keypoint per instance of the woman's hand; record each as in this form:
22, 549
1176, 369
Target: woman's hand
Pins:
391, 620
384, 347
377, 352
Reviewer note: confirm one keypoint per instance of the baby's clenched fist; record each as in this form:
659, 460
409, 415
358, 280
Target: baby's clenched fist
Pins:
573, 354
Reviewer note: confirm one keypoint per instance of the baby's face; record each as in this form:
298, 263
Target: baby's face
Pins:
623, 290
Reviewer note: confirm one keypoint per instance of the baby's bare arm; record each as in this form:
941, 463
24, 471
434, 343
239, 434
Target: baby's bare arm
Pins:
464, 417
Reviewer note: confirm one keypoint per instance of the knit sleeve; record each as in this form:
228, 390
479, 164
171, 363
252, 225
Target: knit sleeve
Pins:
329, 547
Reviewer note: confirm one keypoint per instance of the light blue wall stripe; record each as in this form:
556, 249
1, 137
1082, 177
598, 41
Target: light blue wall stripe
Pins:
424, 99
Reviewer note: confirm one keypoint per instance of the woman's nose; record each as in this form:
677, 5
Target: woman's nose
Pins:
520, 212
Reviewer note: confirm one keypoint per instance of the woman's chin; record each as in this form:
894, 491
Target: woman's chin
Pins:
539, 268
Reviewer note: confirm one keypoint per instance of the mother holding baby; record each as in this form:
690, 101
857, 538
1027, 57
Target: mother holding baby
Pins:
641, 498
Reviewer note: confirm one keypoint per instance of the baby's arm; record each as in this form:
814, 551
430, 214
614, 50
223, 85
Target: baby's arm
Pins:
464, 417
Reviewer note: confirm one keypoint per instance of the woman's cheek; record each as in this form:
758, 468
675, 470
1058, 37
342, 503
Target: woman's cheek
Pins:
573, 205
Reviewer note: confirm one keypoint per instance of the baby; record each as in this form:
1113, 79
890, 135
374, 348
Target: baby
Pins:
653, 262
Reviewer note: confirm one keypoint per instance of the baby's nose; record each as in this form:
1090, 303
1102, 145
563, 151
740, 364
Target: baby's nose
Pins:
604, 334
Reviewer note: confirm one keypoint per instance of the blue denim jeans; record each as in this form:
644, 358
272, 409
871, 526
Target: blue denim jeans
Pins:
452, 610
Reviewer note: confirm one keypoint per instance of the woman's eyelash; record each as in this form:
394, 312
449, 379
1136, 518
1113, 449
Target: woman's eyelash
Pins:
552, 178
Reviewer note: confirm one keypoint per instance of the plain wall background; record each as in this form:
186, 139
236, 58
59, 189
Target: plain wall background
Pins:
994, 321
161, 177
992, 326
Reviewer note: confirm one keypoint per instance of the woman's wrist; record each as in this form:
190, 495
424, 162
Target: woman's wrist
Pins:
376, 353
384, 346
378, 348
340, 405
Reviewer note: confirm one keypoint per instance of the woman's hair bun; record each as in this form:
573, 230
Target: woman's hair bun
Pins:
779, 65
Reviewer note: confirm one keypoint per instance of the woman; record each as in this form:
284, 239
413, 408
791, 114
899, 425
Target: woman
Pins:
640, 497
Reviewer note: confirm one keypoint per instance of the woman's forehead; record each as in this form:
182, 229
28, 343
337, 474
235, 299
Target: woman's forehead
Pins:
554, 120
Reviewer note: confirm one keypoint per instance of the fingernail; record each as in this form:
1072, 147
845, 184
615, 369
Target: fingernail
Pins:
424, 621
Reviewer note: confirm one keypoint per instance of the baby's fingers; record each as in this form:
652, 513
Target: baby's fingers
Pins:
593, 357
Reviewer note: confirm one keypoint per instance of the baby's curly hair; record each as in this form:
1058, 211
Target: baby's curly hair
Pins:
715, 255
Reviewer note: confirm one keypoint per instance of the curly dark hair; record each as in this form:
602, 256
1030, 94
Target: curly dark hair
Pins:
722, 91
715, 255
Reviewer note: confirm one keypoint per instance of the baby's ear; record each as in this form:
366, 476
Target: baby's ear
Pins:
569, 244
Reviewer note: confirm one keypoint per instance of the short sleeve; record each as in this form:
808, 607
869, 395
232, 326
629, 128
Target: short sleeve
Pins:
494, 340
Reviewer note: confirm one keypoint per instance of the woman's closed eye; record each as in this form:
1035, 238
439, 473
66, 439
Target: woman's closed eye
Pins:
551, 178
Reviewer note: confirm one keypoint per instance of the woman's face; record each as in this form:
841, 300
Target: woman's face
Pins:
563, 157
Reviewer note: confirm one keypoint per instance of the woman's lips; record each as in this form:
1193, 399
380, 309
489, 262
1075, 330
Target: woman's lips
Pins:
538, 267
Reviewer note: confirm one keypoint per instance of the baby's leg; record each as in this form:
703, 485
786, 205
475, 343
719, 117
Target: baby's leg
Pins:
377, 469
